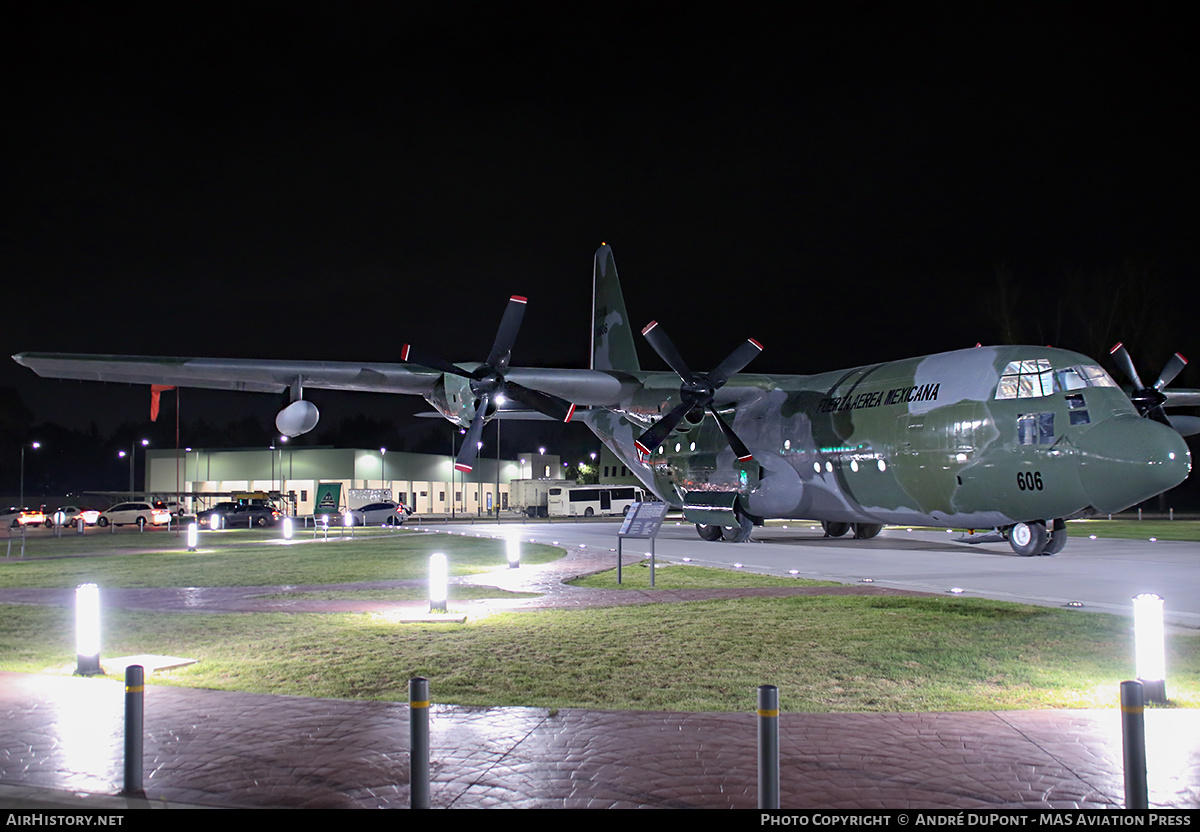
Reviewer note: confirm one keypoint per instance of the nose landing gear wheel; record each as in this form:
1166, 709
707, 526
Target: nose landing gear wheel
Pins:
1058, 539
1029, 539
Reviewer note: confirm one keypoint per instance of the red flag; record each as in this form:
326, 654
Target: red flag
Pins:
155, 391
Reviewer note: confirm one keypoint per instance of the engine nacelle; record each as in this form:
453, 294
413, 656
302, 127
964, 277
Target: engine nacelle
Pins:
297, 418
454, 399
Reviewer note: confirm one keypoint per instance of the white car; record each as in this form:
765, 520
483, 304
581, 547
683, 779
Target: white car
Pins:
141, 514
386, 513
71, 514
17, 517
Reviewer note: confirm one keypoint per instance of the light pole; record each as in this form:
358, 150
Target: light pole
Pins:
382, 478
35, 446
132, 449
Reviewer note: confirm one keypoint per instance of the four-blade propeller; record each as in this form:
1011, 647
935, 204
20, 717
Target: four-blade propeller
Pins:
1149, 400
488, 382
698, 391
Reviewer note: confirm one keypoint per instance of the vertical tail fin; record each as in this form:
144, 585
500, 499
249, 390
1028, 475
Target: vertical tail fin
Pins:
612, 336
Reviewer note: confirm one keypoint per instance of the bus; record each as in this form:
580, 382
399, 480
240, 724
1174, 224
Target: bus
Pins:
591, 500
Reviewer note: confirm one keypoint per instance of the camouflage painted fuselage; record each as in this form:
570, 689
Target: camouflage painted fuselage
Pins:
949, 438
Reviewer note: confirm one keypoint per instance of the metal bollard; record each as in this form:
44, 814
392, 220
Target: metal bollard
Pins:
134, 701
418, 742
768, 747
1133, 737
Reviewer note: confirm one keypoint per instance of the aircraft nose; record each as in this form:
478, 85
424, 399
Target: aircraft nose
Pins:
1127, 459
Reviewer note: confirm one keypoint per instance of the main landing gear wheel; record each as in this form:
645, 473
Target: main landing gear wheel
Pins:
834, 528
865, 531
709, 533
741, 532
1029, 539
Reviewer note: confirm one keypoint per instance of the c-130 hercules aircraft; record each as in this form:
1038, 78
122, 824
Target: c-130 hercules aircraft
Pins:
1018, 439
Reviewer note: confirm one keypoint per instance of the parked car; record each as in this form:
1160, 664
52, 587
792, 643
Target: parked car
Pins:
71, 514
17, 517
386, 513
140, 514
239, 516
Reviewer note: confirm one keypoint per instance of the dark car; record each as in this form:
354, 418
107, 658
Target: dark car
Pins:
239, 516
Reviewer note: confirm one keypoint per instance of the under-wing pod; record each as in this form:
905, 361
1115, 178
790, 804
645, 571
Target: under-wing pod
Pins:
297, 418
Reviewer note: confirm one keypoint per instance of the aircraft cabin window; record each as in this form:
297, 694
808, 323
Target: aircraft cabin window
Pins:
1035, 429
1031, 379
1078, 409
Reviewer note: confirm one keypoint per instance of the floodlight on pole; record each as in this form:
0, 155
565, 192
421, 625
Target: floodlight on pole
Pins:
1148, 637
35, 446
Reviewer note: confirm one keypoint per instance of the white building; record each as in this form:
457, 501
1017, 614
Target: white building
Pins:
426, 482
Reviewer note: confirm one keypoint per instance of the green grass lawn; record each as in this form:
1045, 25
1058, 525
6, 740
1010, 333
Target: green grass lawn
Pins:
245, 558
826, 653
1136, 529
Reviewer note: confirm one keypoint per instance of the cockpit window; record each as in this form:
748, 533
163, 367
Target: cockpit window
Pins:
1034, 378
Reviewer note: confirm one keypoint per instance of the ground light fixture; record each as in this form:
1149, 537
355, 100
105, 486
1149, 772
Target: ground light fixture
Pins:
87, 630
437, 582
513, 551
1151, 654
214, 521
287, 528
192, 537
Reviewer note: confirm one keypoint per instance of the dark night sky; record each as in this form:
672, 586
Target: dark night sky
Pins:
332, 180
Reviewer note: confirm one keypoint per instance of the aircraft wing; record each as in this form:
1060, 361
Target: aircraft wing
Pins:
583, 387
1180, 397
262, 376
